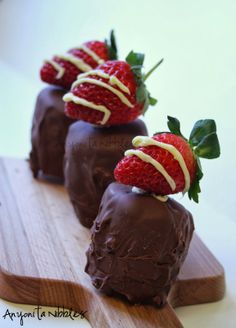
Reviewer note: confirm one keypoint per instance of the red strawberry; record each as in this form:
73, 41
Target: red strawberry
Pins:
63, 70
121, 97
180, 161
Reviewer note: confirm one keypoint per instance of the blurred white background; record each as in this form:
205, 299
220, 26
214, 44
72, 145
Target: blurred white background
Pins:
197, 80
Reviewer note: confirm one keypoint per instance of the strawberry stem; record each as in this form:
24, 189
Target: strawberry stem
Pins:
152, 69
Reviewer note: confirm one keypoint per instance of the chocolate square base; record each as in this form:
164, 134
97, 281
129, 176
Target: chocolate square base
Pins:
91, 156
48, 134
138, 245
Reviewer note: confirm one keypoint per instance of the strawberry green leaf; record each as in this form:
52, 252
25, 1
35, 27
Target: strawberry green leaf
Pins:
174, 126
195, 189
146, 105
201, 129
140, 94
152, 101
209, 147
135, 59
111, 46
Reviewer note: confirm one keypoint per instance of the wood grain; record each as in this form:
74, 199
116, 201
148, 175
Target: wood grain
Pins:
42, 258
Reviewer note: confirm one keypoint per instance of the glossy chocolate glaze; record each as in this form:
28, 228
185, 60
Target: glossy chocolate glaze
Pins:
91, 156
48, 133
138, 245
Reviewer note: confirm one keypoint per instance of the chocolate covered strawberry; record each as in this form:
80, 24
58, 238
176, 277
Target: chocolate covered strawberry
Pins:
63, 69
115, 93
168, 163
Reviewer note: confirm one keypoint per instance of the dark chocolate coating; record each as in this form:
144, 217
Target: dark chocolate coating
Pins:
91, 156
48, 133
138, 245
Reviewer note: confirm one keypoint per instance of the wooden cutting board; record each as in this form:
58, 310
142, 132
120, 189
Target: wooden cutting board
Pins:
42, 258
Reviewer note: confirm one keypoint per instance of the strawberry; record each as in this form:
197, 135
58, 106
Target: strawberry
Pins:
168, 163
63, 70
113, 94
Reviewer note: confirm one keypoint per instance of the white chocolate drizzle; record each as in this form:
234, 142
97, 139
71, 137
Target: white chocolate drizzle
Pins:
84, 78
97, 72
160, 198
143, 141
60, 70
78, 62
148, 159
143, 192
80, 101
119, 94
113, 80
92, 54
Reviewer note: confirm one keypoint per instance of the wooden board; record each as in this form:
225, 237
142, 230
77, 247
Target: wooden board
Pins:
42, 258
